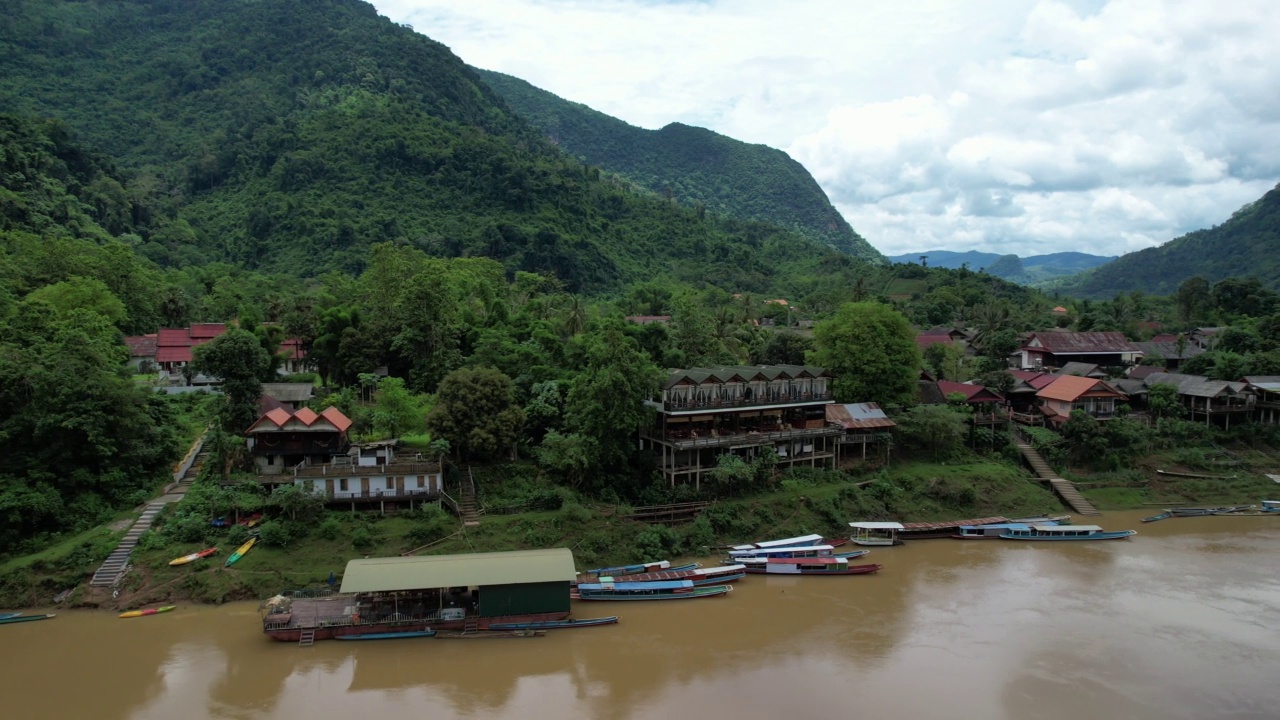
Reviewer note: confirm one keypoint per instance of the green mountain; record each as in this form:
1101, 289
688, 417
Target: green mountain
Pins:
1246, 245
290, 136
695, 166
1022, 270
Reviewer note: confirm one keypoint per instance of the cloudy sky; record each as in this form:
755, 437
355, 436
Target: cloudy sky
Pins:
1023, 126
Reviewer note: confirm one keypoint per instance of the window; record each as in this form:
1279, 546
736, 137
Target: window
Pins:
342, 484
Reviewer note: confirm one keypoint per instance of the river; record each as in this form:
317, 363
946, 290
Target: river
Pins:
1182, 621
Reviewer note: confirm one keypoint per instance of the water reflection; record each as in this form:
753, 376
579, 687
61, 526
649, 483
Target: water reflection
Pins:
1177, 622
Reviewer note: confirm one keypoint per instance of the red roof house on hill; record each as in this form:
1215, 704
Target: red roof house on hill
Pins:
1055, 349
281, 439
173, 345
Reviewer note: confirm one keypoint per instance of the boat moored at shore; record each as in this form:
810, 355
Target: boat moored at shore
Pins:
809, 566
1066, 533
879, 534
987, 532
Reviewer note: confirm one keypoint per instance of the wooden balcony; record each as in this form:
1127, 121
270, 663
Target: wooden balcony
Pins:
341, 496
741, 439
743, 402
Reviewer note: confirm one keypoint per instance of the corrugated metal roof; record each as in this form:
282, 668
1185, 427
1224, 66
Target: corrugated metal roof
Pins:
1069, 388
1085, 342
1270, 383
952, 523
516, 567
288, 392
1169, 350
1195, 385
972, 393
859, 416
1082, 369
726, 373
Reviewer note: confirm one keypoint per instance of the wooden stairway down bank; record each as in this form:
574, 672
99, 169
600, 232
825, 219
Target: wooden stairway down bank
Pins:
1068, 492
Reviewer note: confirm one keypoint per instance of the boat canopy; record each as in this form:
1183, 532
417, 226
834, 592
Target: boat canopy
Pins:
516, 567
635, 586
808, 561
1018, 526
779, 550
876, 525
802, 540
1073, 529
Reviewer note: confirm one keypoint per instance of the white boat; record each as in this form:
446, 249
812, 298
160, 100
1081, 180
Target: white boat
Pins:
800, 551
1270, 506
1066, 532
875, 533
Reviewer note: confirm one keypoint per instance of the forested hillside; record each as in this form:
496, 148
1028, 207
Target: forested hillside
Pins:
1024, 270
292, 136
1246, 245
695, 166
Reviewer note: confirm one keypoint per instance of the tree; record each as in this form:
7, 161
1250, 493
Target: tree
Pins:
396, 411
1193, 300
606, 400
572, 455
783, 347
939, 429
297, 502
84, 293
871, 351
732, 474
476, 412
238, 359
1163, 401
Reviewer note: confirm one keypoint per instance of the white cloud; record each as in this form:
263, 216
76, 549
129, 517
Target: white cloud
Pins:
1004, 125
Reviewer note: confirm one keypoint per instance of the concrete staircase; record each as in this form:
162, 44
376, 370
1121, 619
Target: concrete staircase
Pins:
188, 477
1068, 492
118, 561
467, 502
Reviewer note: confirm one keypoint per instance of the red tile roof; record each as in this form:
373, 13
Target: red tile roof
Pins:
335, 416
305, 415
291, 349
141, 345
207, 331
972, 393
924, 341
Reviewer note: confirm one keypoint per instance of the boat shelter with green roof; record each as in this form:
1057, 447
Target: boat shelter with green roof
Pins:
494, 584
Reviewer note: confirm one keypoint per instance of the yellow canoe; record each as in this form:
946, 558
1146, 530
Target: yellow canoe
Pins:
148, 611
193, 557
240, 551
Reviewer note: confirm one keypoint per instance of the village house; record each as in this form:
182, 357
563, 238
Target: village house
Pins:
1056, 349
1173, 351
311, 450
142, 352
703, 413
1266, 391
1068, 393
292, 396
1208, 399
171, 351
174, 345
987, 406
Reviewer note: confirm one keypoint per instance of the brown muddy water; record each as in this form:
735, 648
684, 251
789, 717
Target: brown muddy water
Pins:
1182, 621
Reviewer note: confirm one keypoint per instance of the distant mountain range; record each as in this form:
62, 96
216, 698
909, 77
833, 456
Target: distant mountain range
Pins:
1246, 245
691, 165
1026, 271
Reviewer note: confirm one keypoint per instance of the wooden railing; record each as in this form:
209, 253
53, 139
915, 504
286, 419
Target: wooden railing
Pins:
719, 439
736, 402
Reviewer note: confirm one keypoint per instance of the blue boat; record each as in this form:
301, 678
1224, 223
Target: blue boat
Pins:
655, 566
1270, 506
672, 590
1155, 518
786, 542
19, 617
390, 635
555, 624
1065, 532
990, 532
6, 616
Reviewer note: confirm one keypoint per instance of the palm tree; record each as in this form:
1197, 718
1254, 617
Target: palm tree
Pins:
574, 316
989, 319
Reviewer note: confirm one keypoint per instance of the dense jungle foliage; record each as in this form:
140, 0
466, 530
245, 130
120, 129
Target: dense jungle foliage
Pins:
1243, 246
695, 166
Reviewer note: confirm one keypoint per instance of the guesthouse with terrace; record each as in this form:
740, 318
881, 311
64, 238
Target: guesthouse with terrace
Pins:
703, 413
1212, 401
311, 450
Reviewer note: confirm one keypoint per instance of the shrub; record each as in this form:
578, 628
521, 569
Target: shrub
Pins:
152, 540
275, 533
574, 513
237, 535
330, 528
362, 539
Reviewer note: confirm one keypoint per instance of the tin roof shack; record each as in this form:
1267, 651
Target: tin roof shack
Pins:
1266, 391
440, 592
863, 423
988, 406
703, 413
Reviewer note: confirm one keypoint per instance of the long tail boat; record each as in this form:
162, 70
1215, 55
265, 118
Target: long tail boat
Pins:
25, 618
810, 566
654, 566
240, 551
193, 556
699, 576
6, 616
1155, 518
671, 590
1066, 532
555, 624
148, 611
785, 542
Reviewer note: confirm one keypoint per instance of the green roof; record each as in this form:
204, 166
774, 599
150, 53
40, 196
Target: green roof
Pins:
475, 569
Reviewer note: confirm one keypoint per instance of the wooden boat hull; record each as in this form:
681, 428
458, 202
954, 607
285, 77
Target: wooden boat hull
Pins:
25, 618
390, 635
491, 634
640, 569
695, 593
148, 611
875, 542
556, 624
1111, 535
292, 633
193, 557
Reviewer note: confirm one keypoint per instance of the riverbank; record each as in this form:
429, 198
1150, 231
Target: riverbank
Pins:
800, 503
